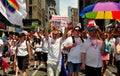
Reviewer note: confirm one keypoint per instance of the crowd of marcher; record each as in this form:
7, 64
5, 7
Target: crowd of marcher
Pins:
88, 50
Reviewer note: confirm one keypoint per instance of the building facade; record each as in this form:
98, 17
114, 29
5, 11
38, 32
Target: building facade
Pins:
73, 15
39, 12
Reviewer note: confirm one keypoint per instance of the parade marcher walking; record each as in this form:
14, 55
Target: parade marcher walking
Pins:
22, 54
54, 52
1, 51
73, 43
38, 46
91, 54
105, 54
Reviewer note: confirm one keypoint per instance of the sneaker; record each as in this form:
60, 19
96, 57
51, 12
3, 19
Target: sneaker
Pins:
34, 68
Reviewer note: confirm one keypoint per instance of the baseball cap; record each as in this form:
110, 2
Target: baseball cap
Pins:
92, 28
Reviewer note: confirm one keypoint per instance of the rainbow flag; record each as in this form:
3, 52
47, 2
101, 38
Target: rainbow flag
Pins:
12, 5
4, 37
51, 28
118, 22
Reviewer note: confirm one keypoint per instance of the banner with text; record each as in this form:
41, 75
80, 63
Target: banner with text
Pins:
60, 21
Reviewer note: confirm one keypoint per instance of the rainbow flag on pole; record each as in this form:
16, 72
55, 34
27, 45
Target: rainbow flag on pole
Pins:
51, 28
4, 37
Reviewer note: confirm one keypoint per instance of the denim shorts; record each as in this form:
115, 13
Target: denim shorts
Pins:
73, 67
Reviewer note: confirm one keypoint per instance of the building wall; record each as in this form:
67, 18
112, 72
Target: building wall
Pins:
41, 10
70, 14
75, 17
57, 7
36, 11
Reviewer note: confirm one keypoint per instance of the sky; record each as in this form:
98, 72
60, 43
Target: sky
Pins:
64, 4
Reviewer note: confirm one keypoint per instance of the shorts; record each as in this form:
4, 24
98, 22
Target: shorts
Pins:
118, 66
44, 56
38, 56
91, 71
65, 57
12, 57
112, 50
73, 67
22, 62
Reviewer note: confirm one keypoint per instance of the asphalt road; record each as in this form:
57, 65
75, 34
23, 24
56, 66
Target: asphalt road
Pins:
42, 71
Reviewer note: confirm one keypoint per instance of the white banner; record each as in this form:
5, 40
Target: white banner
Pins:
13, 10
60, 21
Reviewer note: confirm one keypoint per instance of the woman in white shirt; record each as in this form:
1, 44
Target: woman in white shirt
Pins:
23, 54
38, 45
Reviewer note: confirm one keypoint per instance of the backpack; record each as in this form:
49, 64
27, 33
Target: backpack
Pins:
73, 39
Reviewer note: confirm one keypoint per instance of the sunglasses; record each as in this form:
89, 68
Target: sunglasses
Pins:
55, 34
77, 30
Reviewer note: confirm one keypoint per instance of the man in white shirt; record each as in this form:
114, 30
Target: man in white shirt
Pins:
91, 56
54, 52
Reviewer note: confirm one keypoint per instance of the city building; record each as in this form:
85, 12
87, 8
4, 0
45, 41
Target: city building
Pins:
70, 14
73, 15
40, 12
57, 7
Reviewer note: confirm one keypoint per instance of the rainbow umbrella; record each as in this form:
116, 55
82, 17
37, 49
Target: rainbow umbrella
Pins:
102, 10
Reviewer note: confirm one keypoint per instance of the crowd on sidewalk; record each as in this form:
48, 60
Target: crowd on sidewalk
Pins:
88, 50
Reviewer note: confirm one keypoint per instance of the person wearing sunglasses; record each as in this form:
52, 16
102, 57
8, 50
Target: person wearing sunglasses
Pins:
73, 44
54, 51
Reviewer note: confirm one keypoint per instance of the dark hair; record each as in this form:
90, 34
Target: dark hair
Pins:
37, 40
21, 34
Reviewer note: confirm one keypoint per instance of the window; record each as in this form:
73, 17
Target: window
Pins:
30, 1
30, 12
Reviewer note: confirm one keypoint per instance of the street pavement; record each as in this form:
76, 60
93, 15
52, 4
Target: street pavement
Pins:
42, 71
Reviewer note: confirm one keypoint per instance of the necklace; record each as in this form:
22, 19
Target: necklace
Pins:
94, 43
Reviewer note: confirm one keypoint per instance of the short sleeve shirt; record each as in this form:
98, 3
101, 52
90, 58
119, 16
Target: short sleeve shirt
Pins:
93, 55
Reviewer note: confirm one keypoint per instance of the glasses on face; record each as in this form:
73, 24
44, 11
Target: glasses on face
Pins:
77, 30
55, 34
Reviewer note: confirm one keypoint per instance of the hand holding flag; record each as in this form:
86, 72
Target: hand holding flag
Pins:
4, 37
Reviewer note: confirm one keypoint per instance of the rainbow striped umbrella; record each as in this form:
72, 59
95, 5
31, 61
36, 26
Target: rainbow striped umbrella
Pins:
102, 10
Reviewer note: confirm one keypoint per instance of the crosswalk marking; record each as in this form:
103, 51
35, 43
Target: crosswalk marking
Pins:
37, 69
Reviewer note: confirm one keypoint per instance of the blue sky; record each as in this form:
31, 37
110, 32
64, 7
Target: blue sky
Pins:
64, 6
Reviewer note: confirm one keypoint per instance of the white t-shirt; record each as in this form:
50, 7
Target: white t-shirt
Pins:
13, 49
74, 54
54, 52
22, 49
38, 47
1, 47
93, 55
45, 45
112, 42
